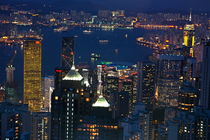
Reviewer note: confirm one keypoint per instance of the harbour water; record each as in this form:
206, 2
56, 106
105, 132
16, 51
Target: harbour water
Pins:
117, 45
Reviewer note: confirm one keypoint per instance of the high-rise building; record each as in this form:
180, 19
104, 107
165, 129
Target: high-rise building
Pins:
188, 97
127, 86
47, 89
205, 84
147, 82
32, 74
120, 102
189, 37
67, 52
15, 121
138, 126
111, 85
189, 126
10, 73
168, 82
65, 106
40, 126
99, 124
11, 87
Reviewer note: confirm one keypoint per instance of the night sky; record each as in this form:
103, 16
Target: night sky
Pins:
136, 5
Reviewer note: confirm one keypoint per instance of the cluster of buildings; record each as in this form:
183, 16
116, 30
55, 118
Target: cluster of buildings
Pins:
165, 98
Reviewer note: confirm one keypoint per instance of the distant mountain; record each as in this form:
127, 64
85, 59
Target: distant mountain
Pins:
132, 5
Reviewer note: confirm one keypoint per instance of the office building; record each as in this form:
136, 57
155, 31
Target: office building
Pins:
47, 89
147, 80
65, 104
189, 35
120, 105
139, 125
32, 74
189, 38
10, 86
67, 52
189, 126
188, 97
99, 125
111, 84
168, 82
15, 121
40, 126
205, 83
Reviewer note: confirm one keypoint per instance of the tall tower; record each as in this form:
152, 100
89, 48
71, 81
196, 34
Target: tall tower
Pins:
10, 74
168, 82
67, 53
32, 74
147, 82
189, 35
65, 104
205, 89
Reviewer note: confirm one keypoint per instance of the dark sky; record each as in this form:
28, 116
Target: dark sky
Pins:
136, 5
157, 4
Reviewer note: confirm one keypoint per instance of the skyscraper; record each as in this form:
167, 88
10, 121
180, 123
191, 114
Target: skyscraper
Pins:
47, 89
40, 128
64, 104
15, 121
169, 74
32, 74
11, 86
188, 97
147, 82
67, 53
205, 89
189, 35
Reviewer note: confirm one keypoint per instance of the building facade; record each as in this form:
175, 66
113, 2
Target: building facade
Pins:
32, 74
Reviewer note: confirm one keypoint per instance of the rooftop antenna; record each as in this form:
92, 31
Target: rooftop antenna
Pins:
190, 17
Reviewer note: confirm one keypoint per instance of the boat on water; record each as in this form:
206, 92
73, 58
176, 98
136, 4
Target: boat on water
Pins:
87, 31
103, 41
61, 29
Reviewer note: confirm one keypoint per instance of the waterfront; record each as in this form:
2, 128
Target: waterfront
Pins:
121, 46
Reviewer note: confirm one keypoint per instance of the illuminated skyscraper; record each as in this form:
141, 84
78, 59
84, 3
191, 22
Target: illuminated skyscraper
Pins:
65, 106
32, 74
189, 37
47, 89
188, 97
147, 82
168, 82
67, 52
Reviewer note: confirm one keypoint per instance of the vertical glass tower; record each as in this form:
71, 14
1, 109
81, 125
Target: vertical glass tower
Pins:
32, 74
67, 53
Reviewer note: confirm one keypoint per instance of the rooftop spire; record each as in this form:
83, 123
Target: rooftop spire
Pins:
73, 74
190, 17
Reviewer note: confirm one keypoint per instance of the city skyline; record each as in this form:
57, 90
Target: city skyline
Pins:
98, 73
